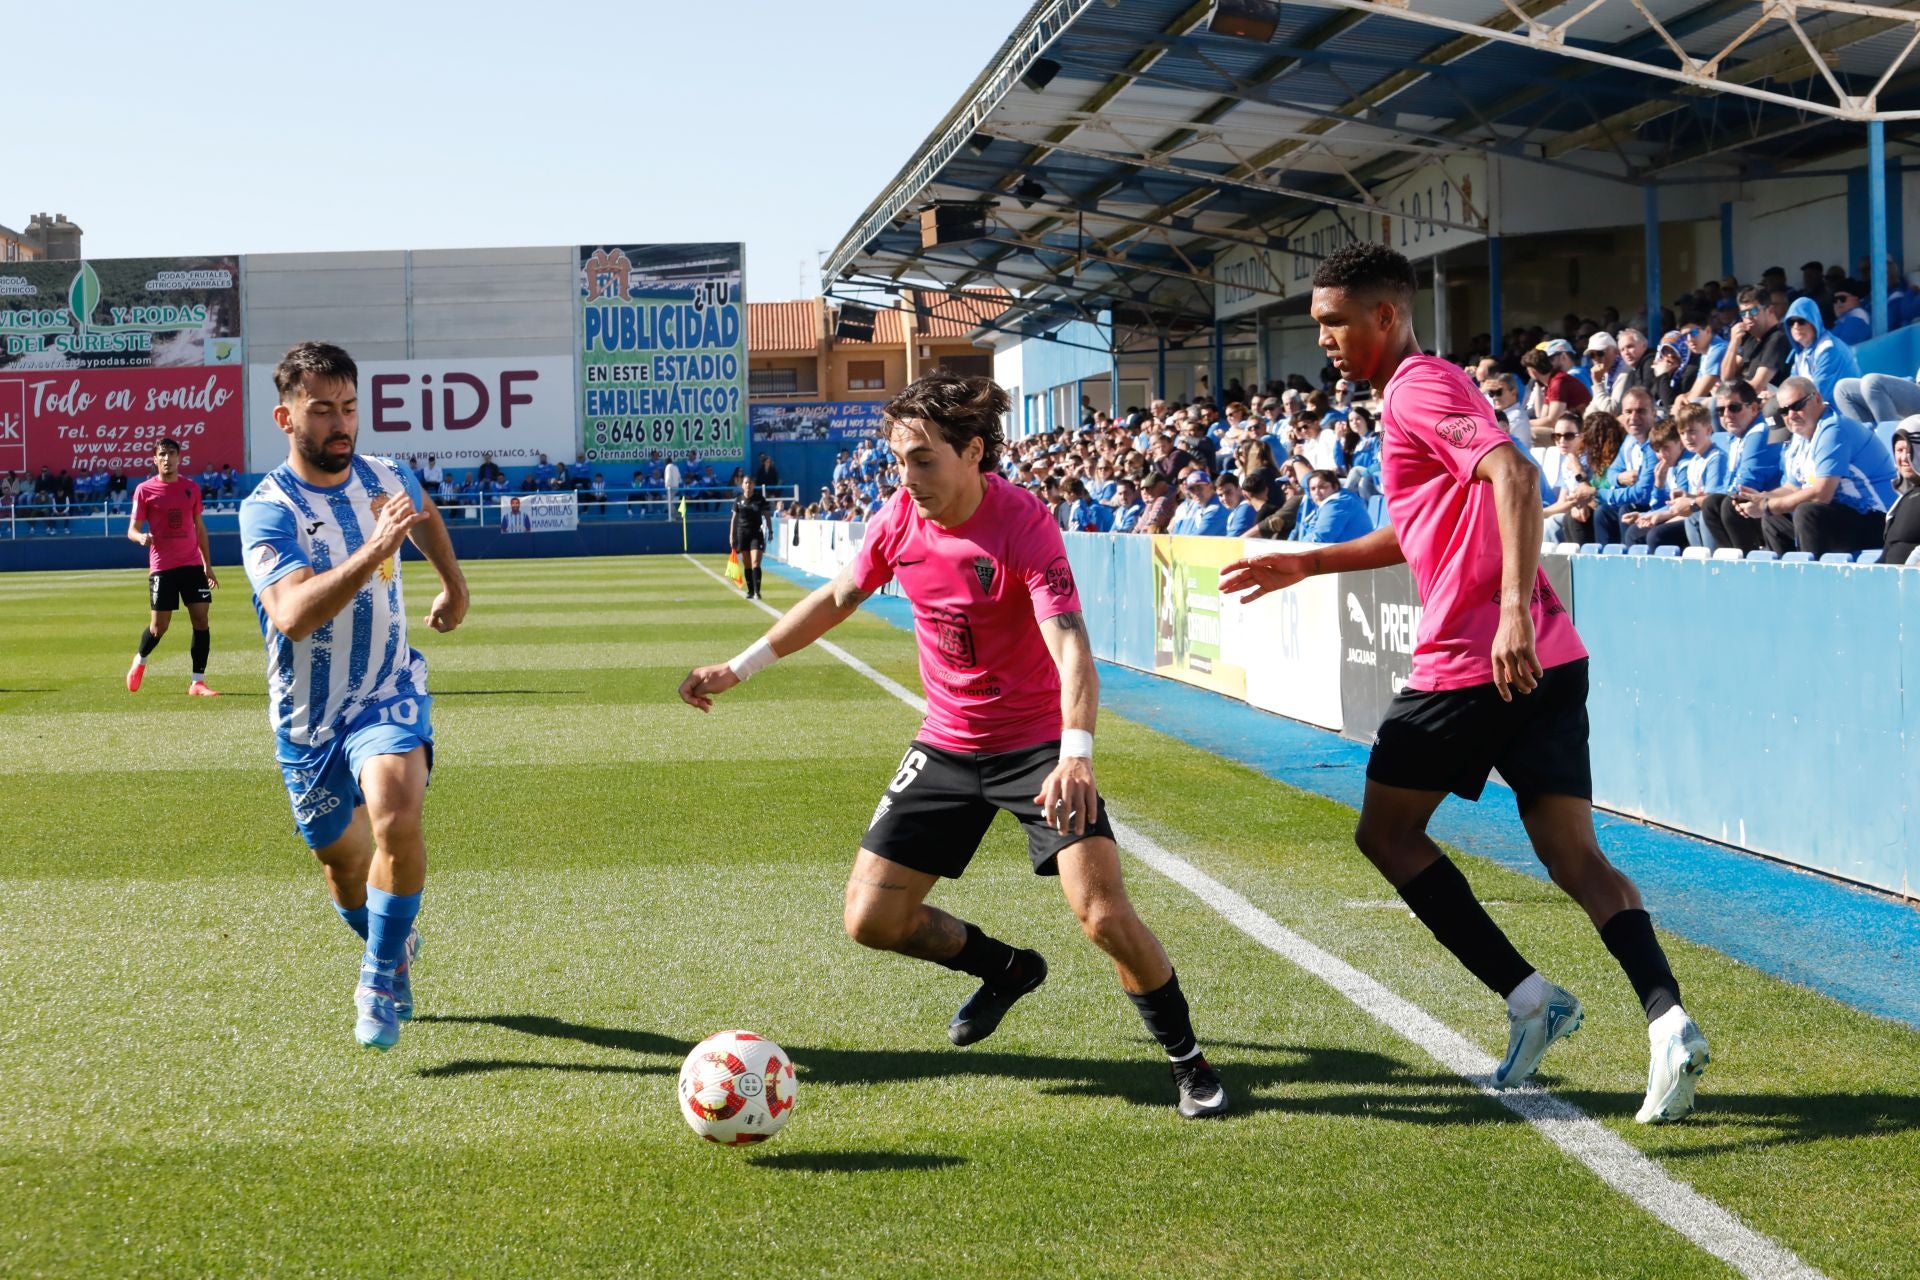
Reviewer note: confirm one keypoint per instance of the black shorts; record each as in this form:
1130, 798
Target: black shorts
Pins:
757, 543
167, 588
939, 805
1452, 739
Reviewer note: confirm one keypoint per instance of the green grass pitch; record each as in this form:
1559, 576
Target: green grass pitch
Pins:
614, 876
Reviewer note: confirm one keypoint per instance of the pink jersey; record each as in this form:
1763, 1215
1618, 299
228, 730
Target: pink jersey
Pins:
979, 594
169, 510
1435, 428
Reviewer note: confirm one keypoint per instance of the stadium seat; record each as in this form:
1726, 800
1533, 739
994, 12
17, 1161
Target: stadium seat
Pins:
1837, 557
1696, 553
1589, 549
1667, 553
1798, 557
1614, 549
1639, 549
1567, 549
1868, 557
1762, 554
1727, 553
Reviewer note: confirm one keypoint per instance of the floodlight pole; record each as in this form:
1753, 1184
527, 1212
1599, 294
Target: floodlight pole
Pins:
1219, 363
1877, 221
1496, 320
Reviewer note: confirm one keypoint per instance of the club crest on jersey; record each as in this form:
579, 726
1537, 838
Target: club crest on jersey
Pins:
1458, 430
953, 635
983, 570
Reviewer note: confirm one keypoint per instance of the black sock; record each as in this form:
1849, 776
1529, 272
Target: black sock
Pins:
147, 641
1444, 901
753, 582
988, 959
1164, 1010
201, 644
1629, 935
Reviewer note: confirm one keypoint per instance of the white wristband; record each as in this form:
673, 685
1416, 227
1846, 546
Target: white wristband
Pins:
1076, 744
755, 658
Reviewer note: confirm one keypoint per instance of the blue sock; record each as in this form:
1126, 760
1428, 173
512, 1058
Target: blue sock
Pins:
389, 921
356, 918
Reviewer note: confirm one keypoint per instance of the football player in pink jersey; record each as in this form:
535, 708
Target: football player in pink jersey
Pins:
1499, 677
179, 565
1012, 693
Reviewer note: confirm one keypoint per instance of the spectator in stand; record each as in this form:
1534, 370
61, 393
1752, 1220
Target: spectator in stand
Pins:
1813, 287
1226, 487
1549, 366
1817, 353
1128, 506
1753, 462
1602, 442
1852, 323
1338, 515
490, 470
1563, 470
1664, 525
1158, 514
1606, 371
1084, 515
1637, 357
1628, 485
1503, 393
1363, 468
1758, 346
1201, 515
1704, 470
1878, 397
1837, 482
1903, 518
1255, 511
671, 480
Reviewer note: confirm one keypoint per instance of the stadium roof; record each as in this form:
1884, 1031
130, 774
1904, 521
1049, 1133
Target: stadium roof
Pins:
1125, 146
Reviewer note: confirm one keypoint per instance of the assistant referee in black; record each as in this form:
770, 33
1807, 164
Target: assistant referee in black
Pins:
747, 532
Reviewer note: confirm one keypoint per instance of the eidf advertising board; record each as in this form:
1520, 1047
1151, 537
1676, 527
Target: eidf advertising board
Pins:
98, 360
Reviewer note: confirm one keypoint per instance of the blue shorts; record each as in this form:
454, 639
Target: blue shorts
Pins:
323, 783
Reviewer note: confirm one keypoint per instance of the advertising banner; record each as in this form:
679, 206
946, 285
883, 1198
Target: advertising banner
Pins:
1289, 644
540, 513
459, 411
1190, 641
663, 351
98, 359
1379, 618
833, 420
109, 419
1409, 216
120, 313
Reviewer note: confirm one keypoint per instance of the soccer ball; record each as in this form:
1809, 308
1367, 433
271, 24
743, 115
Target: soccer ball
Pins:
737, 1088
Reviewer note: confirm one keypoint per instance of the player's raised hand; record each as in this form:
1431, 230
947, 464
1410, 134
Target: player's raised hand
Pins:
1067, 799
702, 683
396, 519
448, 611
1262, 575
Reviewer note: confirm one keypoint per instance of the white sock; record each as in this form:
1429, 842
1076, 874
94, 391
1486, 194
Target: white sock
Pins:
198, 676
139, 659
1528, 996
1667, 1025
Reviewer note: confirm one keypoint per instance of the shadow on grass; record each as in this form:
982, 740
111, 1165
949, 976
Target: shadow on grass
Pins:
1271, 1081
853, 1161
1298, 1079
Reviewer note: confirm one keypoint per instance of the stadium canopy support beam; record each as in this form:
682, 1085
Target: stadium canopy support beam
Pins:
1496, 318
1160, 385
1652, 201
1726, 244
1442, 339
1113, 375
1219, 389
1877, 221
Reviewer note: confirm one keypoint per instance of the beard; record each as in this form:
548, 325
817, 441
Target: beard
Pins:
316, 454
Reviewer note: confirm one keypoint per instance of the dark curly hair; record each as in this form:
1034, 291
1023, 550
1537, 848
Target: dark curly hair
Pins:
1365, 267
322, 359
962, 409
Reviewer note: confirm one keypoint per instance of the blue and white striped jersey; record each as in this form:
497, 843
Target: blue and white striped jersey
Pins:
360, 658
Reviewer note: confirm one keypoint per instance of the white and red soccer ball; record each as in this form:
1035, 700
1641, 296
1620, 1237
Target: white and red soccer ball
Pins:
737, 1088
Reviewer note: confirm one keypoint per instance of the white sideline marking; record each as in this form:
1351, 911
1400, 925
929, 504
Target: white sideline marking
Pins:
1617, 1162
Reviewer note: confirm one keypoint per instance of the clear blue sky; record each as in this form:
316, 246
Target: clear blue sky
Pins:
227, 127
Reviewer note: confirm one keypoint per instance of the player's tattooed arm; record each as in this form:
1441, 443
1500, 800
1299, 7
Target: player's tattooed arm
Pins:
846, 591
1066, 622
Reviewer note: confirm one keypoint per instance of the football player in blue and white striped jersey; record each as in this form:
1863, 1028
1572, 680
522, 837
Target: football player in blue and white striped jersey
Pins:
347, 695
